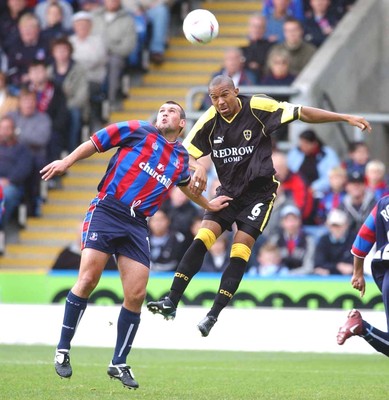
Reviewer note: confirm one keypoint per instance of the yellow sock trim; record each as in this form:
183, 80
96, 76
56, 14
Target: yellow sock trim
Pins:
240, 250
206, 236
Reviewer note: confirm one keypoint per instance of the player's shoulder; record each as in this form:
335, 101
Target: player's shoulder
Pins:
264, 103
383, 203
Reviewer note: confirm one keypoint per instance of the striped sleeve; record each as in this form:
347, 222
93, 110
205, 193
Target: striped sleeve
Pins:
366, 236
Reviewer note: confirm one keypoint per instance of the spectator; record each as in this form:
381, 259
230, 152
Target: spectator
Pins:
51, 100
278, 69
300, 51
158, 15
67, 12
167, 246
320, 23
334, 197
54, 24
28, 46
295, 8
15, 167
275, 21
181, 212
90, 52
332, 254
71, 77
89, 5
293, 186
70, 256
234, 67
117, 28
375, 177
34, 128
269, 262
218, 256
283, 200
358, 201
7, 102
278, 74
9, 20
312, 159
296, 247
341, 7
255, 53
358, 157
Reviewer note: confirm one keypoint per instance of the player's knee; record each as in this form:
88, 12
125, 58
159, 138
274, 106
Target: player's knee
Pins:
135, 298
206, 236
86, 283
240, 250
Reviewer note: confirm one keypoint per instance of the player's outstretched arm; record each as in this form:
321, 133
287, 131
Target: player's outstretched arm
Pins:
59, 167
318, 115
215, 204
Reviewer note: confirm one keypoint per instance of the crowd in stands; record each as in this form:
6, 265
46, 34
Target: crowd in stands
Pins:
60, 59
61, 67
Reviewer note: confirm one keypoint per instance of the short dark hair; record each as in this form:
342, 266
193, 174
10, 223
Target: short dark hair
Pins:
353, 146
221, 79
182, 111
310, 136
63, 40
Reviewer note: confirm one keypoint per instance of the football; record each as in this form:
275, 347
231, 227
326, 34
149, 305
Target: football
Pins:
200, 26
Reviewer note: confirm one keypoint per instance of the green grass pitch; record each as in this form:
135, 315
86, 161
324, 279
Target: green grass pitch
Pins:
27, 372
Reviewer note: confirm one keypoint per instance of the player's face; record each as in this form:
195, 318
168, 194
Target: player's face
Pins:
169, 119
224, 99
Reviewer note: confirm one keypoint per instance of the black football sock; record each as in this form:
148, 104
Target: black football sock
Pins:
74, 310
229, 284
128, 323
189, 265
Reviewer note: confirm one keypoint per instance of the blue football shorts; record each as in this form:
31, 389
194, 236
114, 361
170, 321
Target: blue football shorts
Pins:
110, 227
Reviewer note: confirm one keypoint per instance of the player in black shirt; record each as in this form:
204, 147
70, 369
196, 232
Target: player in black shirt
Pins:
236, 131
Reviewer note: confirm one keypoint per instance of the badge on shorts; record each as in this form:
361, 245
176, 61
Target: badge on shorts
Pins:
247, 134
93, 236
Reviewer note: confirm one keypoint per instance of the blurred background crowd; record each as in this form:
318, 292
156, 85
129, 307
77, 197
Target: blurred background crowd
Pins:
62, 68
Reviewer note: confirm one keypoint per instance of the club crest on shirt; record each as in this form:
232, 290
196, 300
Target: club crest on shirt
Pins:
154, 146
160, 167
176, 163
247, 134
93, 236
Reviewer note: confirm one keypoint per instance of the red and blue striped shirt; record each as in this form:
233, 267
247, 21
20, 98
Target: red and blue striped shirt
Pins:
145, 166
375, 229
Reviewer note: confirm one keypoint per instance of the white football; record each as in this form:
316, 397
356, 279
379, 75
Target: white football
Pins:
200, 26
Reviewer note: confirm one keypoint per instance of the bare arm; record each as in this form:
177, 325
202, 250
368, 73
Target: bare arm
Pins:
199, 179
59, 167
214, 205
317, 115
358, 280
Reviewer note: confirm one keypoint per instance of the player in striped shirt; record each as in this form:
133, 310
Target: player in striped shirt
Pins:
148, 162
375, 230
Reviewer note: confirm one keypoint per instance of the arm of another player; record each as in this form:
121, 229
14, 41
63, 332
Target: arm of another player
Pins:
358, 280
198, 182
317, 115
59, 167
215, 204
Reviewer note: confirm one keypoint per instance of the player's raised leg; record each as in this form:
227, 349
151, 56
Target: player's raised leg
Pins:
189, 266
